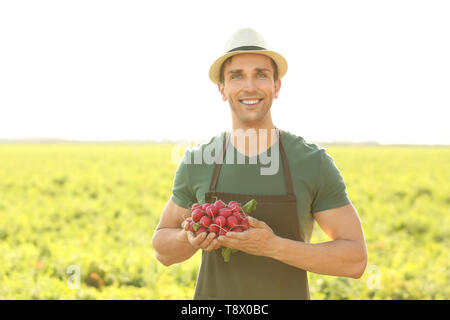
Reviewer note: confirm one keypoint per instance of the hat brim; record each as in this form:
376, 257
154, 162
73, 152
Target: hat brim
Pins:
280, 61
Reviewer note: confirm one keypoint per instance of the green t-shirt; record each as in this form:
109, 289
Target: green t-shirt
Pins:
318, 184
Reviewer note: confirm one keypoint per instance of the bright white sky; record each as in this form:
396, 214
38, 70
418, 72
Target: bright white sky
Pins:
94, 70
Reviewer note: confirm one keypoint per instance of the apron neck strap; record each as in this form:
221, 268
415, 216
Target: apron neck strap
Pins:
222, 153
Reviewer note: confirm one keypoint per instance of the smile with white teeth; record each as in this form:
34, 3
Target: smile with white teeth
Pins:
250, 101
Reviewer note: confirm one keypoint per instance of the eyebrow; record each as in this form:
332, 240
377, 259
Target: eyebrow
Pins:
256, 69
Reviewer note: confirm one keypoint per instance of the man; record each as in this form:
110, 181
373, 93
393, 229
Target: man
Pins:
274, 254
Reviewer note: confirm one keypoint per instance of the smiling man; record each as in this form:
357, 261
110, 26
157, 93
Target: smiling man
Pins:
251, 85
275, 254
250, 107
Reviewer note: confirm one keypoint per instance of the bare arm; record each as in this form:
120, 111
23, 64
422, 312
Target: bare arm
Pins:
345, 255
171, 243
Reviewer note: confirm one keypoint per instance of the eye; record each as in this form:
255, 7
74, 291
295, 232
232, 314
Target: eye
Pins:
236, 76
261, 75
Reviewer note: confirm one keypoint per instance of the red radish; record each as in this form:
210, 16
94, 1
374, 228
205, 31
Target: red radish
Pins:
220, 221
244, 224
223, 231
191, 226
235, 207
197, 214
220, 218
212, 211
237, 215
232, 222
205, 221
219, 204
226, 212
214, 228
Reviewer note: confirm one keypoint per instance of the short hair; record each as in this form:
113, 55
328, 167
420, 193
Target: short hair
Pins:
274, 66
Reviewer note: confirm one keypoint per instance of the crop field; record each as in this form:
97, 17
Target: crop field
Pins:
76, 222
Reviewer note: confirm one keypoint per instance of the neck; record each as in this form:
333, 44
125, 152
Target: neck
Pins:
253, 139
265, 123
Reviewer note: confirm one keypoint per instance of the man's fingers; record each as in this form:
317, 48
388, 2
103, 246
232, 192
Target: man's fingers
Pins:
213, 245
227, 241
191, 237
205, 244
238, 235
255, 223
196, 240
200, 238
203, 240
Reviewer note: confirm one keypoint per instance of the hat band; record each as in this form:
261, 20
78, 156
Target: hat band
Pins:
247, 48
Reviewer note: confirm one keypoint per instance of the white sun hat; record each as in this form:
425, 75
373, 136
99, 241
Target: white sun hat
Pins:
246, 41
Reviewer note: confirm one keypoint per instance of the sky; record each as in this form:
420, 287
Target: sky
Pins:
138, 70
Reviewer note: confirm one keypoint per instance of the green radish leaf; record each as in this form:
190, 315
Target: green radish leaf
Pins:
196, 226
226, 252
249, 206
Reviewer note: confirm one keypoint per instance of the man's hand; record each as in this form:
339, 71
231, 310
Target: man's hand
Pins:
202, 240
257, 240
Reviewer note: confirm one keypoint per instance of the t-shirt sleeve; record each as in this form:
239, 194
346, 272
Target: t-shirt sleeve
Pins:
331, 190
182, 192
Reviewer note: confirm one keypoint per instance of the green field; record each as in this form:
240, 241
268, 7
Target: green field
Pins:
95, 207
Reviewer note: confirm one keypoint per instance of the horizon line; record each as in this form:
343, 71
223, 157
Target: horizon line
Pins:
51, 140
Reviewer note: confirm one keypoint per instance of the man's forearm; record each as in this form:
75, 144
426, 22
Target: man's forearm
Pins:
345, 258
172, 246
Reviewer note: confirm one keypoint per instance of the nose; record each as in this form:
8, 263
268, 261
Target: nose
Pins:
250, 84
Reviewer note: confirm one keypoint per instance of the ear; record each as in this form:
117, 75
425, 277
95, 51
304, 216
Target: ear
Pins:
221, 88
276, 89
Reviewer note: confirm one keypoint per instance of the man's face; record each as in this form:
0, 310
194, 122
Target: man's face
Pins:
248, 78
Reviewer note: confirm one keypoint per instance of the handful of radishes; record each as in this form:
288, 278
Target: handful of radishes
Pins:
220, 218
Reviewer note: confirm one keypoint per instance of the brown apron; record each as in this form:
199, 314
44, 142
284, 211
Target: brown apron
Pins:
248, 276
